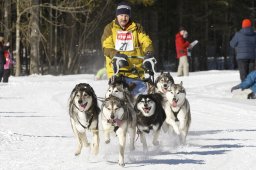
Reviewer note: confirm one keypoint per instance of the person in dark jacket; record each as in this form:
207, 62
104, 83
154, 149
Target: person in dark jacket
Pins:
248, 83
2, 58
244, 42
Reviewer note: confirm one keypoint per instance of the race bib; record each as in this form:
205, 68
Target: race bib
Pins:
124, 41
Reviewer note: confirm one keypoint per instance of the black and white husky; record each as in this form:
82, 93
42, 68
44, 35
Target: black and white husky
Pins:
150, 116
118, 118
84, 113
177, 110
163, 82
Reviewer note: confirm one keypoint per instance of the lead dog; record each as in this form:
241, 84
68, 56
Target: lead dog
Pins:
177, 110
117, 117
84, 113
150, 117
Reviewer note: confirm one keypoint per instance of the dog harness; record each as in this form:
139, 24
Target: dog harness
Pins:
176, 114
149, 127
88, 120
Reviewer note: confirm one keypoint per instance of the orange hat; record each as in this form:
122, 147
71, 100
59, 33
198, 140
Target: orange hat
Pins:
246, 23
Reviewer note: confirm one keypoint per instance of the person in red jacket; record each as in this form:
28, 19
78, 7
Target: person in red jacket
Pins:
182, 52
8, 64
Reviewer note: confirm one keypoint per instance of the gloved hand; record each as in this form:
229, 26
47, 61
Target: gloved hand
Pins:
235, 88
122, 62
147, 65
148, 55
119, 61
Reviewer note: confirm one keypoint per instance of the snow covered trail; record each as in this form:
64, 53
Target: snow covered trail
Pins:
35, 132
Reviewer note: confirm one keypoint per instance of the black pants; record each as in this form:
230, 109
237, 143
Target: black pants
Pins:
1, 73
245, 66
7, 73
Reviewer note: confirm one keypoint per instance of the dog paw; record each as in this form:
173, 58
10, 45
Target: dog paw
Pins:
107, 141
77, 153
121, 164
156, 143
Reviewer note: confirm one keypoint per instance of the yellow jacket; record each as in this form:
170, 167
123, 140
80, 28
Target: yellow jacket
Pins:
141, 45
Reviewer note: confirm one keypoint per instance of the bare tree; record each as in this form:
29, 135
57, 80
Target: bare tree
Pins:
80, 18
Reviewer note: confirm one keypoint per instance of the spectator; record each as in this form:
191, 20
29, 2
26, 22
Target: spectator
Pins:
248, 83
244, 42
101, 74
182, 52
9, 63
2, 58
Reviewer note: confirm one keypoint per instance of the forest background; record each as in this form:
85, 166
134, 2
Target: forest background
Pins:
63, 36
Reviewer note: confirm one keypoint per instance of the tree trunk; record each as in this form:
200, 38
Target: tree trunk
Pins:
7, 20
17, 51
34, 39
204, 60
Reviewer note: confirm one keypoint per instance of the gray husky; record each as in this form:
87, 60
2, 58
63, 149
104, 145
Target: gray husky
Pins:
118, 118
163, 82
177, 110
84, 113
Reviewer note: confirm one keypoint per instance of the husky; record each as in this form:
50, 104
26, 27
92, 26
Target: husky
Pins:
120, 90
84, 112
150, 116
163, 82
117, 117
177, 110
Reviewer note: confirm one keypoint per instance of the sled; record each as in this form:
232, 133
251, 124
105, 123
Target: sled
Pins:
141, 86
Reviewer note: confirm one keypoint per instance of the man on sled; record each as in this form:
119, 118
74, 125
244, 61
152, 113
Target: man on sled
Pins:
128, 50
